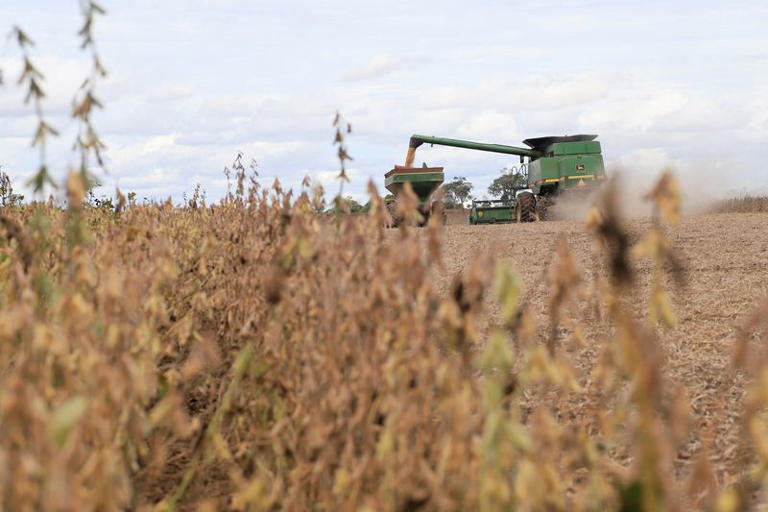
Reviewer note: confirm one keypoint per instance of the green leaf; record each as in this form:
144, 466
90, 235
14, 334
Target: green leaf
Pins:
508, 290
497, 354
632, 498
65, 418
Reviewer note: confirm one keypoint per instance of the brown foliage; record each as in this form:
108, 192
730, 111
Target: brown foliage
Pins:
743, 204
254, 355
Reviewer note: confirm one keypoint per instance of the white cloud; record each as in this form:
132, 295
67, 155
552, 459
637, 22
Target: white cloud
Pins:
383, 64
637, 109
331, 183
490, 125
530, 92
757, 126
62, 77
188, 88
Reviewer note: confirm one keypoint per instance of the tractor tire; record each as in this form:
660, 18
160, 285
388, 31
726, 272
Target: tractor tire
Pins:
525, 207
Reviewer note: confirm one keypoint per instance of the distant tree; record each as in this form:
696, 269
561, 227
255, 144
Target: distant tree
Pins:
105, 203
7, 196
505, 186
353, 205
346, 204
457, 192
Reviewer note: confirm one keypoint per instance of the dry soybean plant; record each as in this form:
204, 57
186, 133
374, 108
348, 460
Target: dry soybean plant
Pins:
31, 80
746, 203
249, 354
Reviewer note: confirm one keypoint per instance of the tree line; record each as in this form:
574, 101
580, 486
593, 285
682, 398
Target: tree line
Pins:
456, 192
459, 191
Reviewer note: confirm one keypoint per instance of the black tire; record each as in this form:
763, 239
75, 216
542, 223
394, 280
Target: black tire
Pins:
543, 211
525, 207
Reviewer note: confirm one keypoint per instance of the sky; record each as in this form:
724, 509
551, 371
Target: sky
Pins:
679, 84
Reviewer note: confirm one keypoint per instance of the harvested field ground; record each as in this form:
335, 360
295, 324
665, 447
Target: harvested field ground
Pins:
456, 217
275, 359
726, 275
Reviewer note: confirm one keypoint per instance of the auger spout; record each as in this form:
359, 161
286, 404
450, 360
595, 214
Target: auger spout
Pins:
418, 140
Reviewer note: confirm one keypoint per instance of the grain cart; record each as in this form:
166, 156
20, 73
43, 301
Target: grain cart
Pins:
491, 212
424, 182
556, 166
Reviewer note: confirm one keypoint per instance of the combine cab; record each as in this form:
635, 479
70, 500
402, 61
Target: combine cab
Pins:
424, 181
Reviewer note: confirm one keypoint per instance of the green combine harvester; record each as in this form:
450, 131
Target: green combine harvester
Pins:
559, 165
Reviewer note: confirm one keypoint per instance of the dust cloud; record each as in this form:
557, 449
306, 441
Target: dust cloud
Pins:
702, 185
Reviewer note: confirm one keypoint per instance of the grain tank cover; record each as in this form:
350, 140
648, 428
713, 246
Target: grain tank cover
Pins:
541, 143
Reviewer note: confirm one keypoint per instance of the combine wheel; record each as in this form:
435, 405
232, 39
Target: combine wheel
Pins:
525, 207
542, 208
